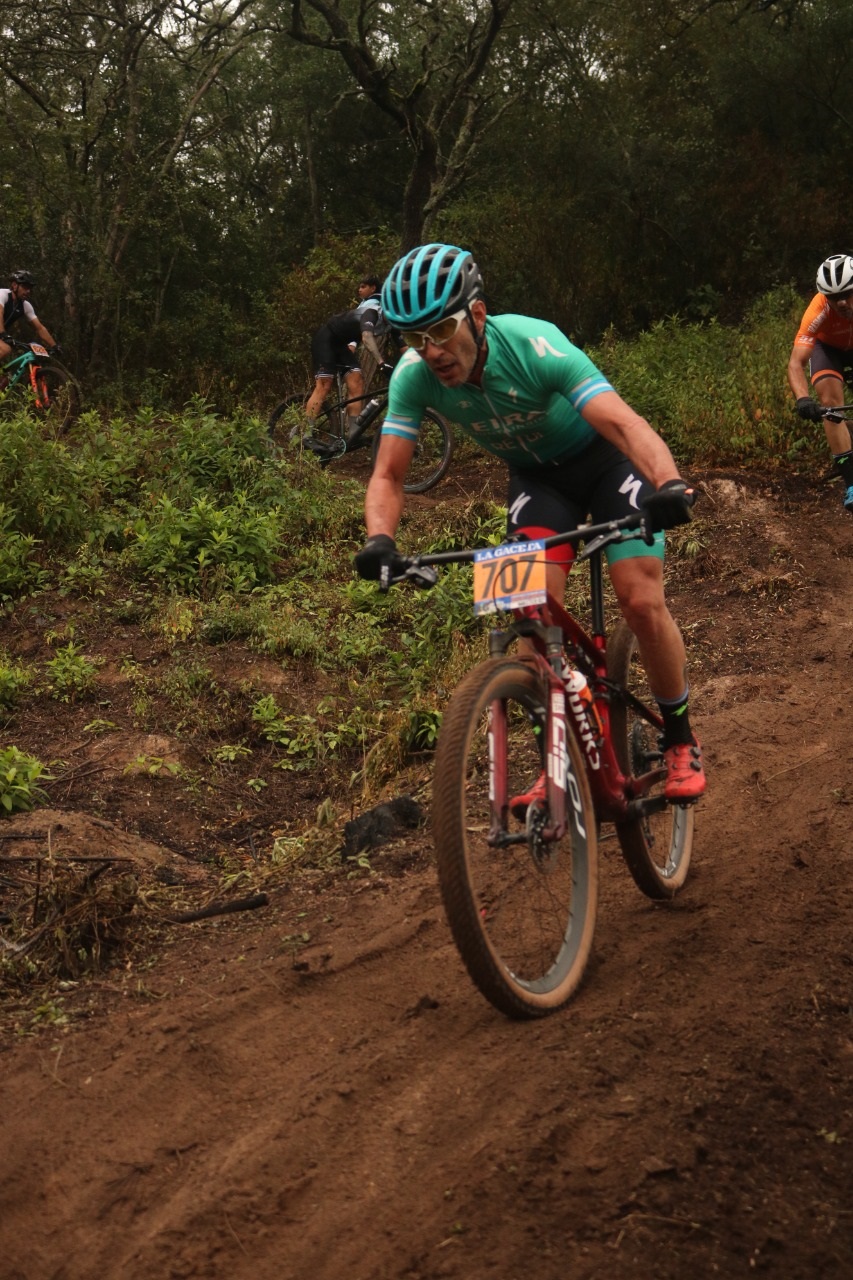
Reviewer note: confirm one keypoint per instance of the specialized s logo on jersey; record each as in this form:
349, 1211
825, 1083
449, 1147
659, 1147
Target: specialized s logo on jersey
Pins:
542, 345
632, 487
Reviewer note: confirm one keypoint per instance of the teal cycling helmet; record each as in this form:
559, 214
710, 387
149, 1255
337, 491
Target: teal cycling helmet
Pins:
429, 283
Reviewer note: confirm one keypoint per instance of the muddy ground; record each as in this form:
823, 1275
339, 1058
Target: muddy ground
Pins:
313, 1090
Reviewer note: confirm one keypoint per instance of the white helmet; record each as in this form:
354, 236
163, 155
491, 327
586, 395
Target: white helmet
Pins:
835, 275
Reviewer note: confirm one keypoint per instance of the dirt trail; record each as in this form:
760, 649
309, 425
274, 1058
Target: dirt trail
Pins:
350, 1107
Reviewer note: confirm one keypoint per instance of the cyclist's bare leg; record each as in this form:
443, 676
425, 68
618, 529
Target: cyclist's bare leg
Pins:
317, 399
829, 389
638, 584
355, 387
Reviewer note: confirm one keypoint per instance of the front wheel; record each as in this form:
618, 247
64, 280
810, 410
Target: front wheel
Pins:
432, 455
657, 847
521, 910
57, 398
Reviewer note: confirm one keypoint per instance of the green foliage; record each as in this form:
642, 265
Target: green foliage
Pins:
716, 393
20, 775
71, 675
205, 546
43, 490
15, 679
20, 571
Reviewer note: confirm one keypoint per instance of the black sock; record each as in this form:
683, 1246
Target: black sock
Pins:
676, 721
844, 462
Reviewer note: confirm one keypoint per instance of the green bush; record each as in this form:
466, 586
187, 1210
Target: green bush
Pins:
15, 679
716, 393
204, 546
19, 777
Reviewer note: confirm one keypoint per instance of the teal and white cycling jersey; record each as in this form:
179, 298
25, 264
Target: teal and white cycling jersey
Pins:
527, 408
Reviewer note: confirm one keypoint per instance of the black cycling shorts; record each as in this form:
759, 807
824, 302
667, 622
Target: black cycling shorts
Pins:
830, 362
330, 354
597, 484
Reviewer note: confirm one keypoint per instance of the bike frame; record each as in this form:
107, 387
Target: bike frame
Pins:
339, 408
23, 365
555, 634
617, 797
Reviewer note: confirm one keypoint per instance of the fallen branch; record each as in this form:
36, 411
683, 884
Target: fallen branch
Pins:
220, 909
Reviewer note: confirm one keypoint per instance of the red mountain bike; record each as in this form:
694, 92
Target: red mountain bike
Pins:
521, 895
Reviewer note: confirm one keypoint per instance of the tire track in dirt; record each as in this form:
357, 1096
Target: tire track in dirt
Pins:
368, 1115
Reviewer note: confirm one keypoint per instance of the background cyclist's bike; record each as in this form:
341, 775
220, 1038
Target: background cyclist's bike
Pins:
331, 438
31, 379
520, 892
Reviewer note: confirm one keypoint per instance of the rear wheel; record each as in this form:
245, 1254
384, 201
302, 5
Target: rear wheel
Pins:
522, 912
656, 847
432, 455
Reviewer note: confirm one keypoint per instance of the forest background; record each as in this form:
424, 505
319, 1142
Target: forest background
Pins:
198, 185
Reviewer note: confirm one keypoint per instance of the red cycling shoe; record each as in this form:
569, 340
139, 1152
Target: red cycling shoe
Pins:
685, 776
519, 805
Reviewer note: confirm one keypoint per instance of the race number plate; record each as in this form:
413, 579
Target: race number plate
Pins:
38, 350
509, 577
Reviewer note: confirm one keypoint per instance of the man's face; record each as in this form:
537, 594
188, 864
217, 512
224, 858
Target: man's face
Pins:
19, 290
843, 304
364, 291
453, 361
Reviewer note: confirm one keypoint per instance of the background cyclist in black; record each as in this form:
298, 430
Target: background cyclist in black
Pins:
335, 345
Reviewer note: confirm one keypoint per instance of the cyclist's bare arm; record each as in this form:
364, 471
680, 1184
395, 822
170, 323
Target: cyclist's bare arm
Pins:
623, 427
370, 344
384, 500
797, 379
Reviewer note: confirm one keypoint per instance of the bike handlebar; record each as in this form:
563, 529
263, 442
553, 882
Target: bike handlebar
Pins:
419, 571
16, 342
837, 412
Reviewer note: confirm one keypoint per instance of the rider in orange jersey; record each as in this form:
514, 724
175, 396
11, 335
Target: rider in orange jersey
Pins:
824, 342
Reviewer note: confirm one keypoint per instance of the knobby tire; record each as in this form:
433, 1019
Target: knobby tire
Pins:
523, 924
59, 395
59, 398
657, 847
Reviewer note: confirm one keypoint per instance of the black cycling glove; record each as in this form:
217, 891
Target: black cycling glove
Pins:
809, 409
379, 559
55, 350
669, 505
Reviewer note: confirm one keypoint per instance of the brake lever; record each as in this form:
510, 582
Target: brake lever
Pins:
422, 575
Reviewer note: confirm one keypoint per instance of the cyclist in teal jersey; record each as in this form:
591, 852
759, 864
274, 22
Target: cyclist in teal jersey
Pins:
575, 450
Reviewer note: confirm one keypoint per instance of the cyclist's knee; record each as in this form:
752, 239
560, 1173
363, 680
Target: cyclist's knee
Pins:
639, 589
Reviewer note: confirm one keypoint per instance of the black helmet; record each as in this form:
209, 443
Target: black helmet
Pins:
373, 281
23, 277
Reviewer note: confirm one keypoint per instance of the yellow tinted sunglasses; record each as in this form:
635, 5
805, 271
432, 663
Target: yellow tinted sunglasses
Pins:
439, 333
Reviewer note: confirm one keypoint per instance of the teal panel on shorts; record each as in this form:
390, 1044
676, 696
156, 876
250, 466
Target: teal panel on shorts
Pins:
636, 547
